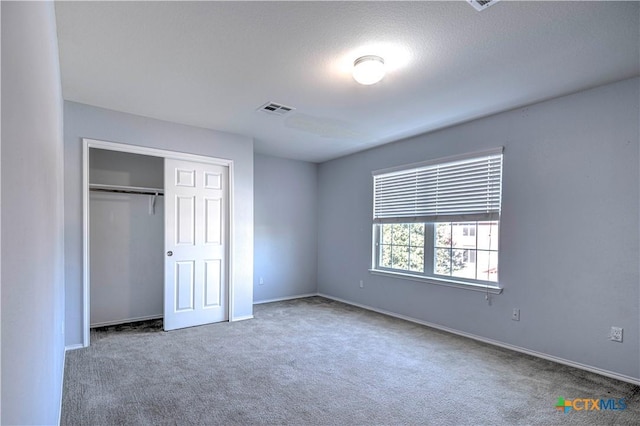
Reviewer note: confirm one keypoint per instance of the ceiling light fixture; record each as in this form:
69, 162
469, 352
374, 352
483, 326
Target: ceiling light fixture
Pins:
368, 69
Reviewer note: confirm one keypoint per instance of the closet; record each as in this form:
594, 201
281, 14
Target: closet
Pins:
126, 250
156, 237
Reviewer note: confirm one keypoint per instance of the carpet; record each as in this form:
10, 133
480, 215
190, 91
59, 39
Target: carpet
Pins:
315, 361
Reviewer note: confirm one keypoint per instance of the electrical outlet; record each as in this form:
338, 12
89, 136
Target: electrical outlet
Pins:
616, 334
361, 284
515, 315
261, 281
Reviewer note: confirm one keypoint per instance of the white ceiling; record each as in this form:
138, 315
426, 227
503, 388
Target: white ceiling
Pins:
212, 64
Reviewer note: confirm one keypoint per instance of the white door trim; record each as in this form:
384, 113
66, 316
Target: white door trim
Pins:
154, 152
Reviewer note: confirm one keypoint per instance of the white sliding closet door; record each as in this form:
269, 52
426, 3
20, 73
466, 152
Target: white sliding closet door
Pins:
196, 244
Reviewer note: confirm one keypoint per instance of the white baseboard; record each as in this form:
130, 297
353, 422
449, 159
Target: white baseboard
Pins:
73, 347
126, 320
280, 299
242, 318
515, 348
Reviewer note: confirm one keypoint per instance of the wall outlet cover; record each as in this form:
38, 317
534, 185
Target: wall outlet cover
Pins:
616, 334
515, 315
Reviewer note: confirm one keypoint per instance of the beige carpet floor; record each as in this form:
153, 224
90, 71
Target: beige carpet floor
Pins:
319, 362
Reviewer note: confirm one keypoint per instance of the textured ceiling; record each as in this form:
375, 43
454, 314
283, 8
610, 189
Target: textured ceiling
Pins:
212, 64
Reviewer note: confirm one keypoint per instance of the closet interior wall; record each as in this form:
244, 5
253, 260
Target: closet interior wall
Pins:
126, 239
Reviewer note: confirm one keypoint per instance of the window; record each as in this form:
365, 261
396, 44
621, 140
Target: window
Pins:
467, 256
440, 220
469, 230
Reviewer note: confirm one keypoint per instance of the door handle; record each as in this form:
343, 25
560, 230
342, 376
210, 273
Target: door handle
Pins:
169, 253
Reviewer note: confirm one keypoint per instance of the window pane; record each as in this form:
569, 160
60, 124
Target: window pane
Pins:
488, 235
463, 235
417, 234
400, 257
487, 265
493, 266
442, 263
416, 259
400, 234
460, 265
385, 233
443, 234
385, 256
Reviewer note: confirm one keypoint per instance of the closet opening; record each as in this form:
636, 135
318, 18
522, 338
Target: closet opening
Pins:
126, 216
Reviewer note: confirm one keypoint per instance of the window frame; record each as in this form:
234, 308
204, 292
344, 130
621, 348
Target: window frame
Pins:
428, 275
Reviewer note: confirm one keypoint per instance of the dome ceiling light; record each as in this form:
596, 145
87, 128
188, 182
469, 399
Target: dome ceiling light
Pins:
368, 69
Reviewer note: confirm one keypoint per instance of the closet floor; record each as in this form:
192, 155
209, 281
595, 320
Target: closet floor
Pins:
149, 326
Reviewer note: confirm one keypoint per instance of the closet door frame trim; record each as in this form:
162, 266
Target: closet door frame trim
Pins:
87, 144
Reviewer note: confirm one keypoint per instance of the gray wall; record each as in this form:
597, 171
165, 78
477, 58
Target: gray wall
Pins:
127, 258
32, 216
126, 169
96, 123
569, 229
126, 239
285, 223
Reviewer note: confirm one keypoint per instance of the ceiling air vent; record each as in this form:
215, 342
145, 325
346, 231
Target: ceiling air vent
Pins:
274, 108
481, 5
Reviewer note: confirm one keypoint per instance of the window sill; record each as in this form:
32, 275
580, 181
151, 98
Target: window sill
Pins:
438, 281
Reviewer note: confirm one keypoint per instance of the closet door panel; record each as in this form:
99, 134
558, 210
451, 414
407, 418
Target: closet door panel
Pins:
213, 283
213, 221
185, 221
184, 284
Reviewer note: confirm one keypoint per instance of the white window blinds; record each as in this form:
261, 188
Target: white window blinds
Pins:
450, 190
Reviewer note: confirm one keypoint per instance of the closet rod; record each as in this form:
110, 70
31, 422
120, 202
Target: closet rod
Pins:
126, 189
